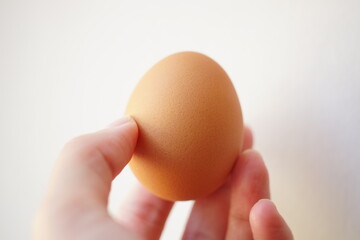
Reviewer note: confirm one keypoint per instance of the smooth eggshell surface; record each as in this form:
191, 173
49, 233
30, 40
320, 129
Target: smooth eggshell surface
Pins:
190, 127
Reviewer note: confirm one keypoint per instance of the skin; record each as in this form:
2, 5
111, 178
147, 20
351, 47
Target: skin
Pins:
75, 204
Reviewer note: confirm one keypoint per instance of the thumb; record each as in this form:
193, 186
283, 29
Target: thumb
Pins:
88, 164
75, 205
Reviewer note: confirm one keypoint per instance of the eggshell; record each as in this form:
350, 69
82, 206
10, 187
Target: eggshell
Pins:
190, 127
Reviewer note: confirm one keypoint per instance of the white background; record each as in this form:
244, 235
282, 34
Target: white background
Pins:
68, 67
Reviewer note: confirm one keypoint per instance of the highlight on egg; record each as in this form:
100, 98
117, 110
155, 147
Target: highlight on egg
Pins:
190, 127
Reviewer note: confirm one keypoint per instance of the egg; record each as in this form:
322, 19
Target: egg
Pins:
190, 127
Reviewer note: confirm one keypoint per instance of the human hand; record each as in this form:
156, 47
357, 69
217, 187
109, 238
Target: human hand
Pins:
75, 205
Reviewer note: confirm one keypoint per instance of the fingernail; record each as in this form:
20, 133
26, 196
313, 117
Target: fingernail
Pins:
268, 202
263, 208
269, 206
252, 152
121, 121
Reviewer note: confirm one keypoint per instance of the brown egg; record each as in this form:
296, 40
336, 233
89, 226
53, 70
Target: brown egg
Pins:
190, 127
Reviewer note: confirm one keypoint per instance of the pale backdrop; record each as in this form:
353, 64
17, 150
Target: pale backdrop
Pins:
68, 67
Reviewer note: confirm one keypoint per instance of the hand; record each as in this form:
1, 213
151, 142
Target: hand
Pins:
75, 205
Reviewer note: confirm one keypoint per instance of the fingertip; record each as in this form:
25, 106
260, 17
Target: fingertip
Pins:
252, 157
267, 223
263, 210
